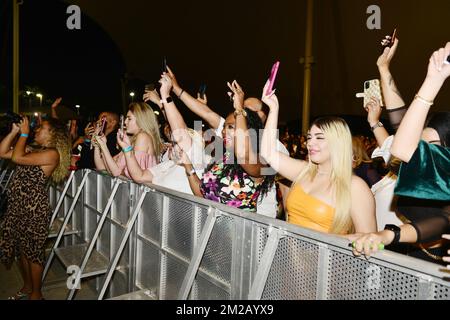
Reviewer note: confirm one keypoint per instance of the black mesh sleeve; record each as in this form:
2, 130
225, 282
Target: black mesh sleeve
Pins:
432, 228
396, 116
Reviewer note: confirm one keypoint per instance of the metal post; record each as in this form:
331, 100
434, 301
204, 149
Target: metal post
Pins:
198, 255
61, 197
308, 65
16, 25
115, 260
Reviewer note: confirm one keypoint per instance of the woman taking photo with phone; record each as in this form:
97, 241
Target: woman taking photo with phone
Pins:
140, 143
325, 195
24, 230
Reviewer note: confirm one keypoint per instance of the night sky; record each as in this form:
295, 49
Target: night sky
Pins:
213, 42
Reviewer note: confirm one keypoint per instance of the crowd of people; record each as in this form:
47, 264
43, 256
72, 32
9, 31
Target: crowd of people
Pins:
392, 190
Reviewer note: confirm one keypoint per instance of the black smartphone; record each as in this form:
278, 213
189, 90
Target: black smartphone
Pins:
448, 59
165, 65
202, 91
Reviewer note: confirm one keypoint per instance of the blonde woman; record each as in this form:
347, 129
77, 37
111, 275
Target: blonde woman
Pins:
325, 195
140, 142
24, 230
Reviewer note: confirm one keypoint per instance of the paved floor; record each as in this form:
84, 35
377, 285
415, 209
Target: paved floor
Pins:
55, 287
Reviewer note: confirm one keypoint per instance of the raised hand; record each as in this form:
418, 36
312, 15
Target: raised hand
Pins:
166, 85
122, 139
89, 130
15, 128
56, 102
24, 125
271, 100
438, 68
237, 95
384, 61
374, 110
203, 100
152, 96
175, 84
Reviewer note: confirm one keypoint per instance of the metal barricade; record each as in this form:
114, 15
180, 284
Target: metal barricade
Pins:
184, 247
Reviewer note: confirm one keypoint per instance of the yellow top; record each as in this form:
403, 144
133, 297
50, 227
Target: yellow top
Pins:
308, 212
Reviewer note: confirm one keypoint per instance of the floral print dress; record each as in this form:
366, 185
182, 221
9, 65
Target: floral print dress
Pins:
219, 187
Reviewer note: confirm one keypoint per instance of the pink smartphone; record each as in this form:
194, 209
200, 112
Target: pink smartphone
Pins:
273, 75
103, 124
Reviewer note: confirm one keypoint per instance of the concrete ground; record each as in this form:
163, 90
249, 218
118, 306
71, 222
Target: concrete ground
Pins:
54, 288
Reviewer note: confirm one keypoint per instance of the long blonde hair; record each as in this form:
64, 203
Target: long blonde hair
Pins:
61, 142
339, 139
147, 122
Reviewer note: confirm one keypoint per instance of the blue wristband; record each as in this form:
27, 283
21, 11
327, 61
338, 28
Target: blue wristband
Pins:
127, 149
87, 140
24, 135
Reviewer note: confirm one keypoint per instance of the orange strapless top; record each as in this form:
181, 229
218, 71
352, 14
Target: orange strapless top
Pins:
308, 212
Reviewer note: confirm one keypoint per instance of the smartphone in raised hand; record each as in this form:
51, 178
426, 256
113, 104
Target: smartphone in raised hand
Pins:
202, 91
103, 124
372, 88
165, 65
391, 41
121, 126
273, 76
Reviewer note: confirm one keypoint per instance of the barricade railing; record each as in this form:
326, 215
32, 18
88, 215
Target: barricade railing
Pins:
184, 247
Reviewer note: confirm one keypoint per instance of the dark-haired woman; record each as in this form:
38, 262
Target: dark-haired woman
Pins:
24, 230
238, 178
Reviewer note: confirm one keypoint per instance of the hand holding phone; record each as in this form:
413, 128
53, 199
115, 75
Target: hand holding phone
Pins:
121, 126
389, 41
202, 91
165, 65
273, 75
103, 123
372, 88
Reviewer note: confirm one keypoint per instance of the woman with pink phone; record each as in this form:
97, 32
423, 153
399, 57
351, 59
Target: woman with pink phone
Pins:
273, 75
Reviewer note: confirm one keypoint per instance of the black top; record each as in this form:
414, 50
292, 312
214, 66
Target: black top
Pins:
87, 155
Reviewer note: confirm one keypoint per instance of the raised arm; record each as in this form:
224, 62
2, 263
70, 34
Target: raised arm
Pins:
288, 167
395, 105
409, 133
174, 117
196, 106
110, 163
244, 147
54, 106
6, 143
49, 157
373, 109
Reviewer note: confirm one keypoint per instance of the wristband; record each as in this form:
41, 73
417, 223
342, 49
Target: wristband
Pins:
24, 135
127, 149
87, 140
424, 101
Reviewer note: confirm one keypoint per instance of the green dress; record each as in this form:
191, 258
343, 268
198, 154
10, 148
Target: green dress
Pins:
427, 174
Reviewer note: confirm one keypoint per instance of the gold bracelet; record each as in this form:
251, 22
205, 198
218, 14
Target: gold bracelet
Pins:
427, 102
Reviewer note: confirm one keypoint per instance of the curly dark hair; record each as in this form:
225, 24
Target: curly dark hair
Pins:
253, 122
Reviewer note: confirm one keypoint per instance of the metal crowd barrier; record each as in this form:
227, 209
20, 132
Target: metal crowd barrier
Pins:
184, 247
